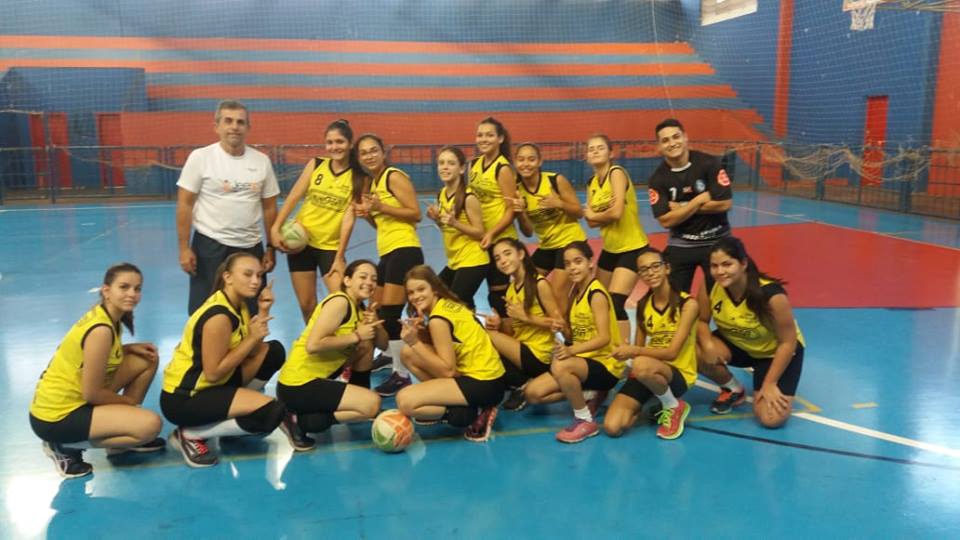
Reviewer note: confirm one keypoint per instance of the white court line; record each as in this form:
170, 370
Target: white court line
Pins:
878, 233
867, 432
936, 448
104, 206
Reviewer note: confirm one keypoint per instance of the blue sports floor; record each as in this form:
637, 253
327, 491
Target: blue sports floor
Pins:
875, 452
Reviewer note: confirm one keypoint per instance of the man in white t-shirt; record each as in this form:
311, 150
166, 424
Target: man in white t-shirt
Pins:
227, 192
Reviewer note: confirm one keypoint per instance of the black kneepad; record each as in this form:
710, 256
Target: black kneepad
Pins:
460, 416
391, 316
620, 306
263, 420
272, 363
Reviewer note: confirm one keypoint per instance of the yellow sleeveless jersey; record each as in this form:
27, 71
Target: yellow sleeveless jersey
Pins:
660, 328
325, 203
625, 234
302, 367
538, 340
553, 227
392, 233
184, 374
741, 326
483, 182
462, 251
60, 391
476, 356
584, 328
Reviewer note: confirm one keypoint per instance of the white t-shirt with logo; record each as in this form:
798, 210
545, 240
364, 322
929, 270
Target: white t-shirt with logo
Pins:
229, 191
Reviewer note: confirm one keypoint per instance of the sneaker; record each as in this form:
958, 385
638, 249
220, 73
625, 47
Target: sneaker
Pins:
195, 451
596, 401
392, 385
382, 361
298, 439
344, 375
516, 401
578, 431
68, 461
153, 446
671, 421
479, 430
727, 400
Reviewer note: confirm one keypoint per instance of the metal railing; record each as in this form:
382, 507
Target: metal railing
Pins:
917, 180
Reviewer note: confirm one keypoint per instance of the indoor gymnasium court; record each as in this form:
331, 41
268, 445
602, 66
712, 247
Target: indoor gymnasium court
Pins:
838, 123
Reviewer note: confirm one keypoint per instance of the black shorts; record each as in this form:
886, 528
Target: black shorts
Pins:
598, 378
548, 259
530, 364
393, 266
310, 259
611, 261
205, 407
481, 393
684, 262
790, 378
639, 391
75, 427
316, 396
210, 254
464, 282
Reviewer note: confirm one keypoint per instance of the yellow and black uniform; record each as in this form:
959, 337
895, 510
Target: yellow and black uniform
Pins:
552, 226
321, 214
188, 397
483, 182
751, 343
307, 381
624, 238
478, 363
398, 245
537, 341
59, 392
467, 262
659, 327
605, 370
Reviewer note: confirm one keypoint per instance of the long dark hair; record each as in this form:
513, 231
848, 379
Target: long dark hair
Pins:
674, 298
501, 132
425, 273
357, 174
460, 196
227, 266
530, 291
355, 155
583, 247
111, 276
734, 248
349, 271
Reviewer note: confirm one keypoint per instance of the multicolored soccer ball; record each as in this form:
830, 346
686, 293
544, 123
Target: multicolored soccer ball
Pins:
392, 431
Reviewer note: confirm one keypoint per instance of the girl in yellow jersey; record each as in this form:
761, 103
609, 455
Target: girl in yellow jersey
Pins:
390, 204
211, 387
450, 352
524, 338
494, 180
90, 393
341, 333
548, 207
664, 353
612, 206
585, 360
457, 214
755, 328
328, 187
